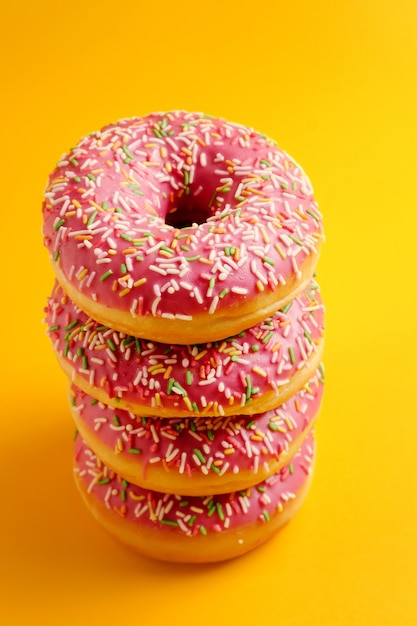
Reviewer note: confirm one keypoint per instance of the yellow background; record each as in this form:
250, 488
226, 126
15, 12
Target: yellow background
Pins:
335, 83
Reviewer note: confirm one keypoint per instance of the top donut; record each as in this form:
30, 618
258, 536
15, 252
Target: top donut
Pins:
179, 227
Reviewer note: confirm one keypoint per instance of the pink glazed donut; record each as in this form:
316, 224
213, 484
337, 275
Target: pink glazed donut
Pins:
197, 455
248, 373
192, 529
179, 227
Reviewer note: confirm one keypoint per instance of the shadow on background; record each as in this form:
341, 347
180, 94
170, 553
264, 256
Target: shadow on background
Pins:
47, 529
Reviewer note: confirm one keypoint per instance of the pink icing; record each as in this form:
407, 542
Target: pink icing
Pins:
213, 379
211, 446
193, 515
178, 213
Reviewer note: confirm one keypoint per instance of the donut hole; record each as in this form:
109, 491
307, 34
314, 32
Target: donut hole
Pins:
184, 215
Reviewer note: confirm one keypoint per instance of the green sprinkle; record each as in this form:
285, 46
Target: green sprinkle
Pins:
203, 530
291, 468
91, 177
193, 258
248, 387
52, 328
267, 337
223, 293
250, 424
189, 377
80, 352
199, 455
92, 218
291, 353
212, 198
287, 307
71, 326
77, 179
269, 261
74, 161
106, 275
254, 348
85, 363
125, 237
135, 451
59, 224
220, 511
111, 345
169, 522
265, 162
56, 255
192, 520
172, 383
266, 516
125, 483
127, 152
308, 336
123, 495
180, 388
313, 215
123, 268
103, 481
296, 240
184, 503
272, 426
116, 420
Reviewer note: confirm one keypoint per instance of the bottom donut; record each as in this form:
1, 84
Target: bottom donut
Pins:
192, 529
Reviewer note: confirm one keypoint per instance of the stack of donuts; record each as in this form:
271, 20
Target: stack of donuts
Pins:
187, 318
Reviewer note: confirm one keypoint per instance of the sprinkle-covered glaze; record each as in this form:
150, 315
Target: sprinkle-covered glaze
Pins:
224, 453
194, 515
177, 214
244, 374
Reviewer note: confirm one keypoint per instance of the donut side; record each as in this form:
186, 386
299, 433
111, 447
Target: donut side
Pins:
197, 455
192, 529
201, 327
252, 372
